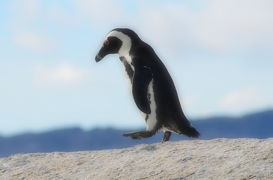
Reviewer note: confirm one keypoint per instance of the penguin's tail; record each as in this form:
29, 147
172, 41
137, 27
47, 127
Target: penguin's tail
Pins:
190, 132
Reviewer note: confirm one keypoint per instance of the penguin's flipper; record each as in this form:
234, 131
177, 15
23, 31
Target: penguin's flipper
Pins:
142, 78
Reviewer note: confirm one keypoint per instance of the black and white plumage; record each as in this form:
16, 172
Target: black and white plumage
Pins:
152, 87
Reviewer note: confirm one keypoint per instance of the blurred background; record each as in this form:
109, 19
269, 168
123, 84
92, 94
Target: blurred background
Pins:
54, 97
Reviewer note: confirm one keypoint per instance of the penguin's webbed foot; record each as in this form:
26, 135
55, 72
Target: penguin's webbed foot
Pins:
140, 134
166, 136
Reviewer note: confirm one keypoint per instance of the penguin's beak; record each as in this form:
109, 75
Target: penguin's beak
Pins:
98, 58
102, 52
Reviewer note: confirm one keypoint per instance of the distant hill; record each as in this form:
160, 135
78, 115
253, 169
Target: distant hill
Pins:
258, 125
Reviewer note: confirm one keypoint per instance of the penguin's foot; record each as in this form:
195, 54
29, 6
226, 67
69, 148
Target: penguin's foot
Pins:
166, 136
140, 134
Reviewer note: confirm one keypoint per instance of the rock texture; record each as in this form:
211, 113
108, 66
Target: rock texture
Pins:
197, 159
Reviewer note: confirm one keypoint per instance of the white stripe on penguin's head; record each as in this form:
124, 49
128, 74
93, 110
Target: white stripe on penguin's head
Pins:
125, 39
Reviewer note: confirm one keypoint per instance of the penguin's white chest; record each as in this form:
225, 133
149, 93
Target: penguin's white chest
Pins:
151, 119
128, 69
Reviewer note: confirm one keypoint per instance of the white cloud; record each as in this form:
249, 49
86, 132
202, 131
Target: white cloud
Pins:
189, 100
232, 25
26, 10
225, 26
33, 41
243, 100
58, 15
62, 74
166, 26
26, 17
100, 12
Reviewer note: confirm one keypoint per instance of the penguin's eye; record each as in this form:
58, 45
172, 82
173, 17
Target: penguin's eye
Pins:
106, 43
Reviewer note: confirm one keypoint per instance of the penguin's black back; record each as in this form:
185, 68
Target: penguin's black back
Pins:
168, 108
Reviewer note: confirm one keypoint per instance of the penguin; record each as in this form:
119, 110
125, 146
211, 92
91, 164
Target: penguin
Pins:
151, 85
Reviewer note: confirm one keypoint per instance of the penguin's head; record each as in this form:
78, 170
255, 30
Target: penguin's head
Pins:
111, 45
118, 41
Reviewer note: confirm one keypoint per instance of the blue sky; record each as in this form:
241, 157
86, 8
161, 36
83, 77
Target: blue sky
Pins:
220, 54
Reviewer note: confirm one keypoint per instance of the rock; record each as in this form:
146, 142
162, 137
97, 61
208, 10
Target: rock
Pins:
241, 159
